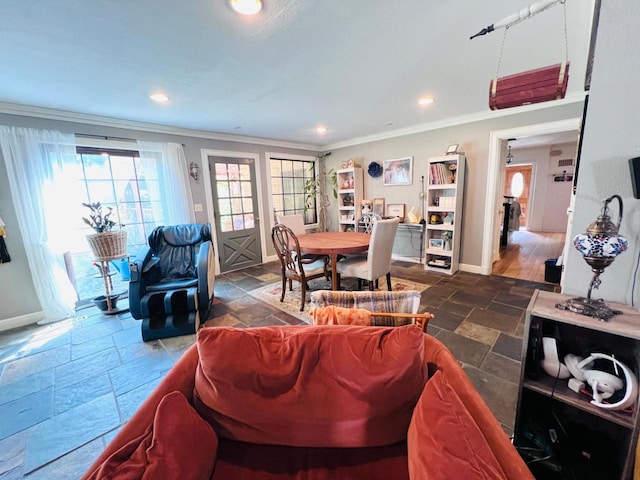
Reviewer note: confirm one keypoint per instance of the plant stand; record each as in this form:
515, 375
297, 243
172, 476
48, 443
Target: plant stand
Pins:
108, 286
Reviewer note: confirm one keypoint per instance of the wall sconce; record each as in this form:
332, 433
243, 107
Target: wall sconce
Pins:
194, 170
599, 246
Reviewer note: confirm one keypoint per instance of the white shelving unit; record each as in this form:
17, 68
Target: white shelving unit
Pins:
444, 198
350, 195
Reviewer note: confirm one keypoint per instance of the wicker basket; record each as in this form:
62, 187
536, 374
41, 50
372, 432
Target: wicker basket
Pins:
108, 245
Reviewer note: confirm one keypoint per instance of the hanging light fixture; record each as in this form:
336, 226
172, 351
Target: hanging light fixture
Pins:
509, 156
599, 246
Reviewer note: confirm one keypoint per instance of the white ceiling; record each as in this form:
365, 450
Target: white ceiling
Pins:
355, 66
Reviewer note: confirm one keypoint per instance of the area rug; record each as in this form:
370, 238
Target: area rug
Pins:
291, 305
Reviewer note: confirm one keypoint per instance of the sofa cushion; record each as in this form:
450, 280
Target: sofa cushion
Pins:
310, 386
444, 441
179, 444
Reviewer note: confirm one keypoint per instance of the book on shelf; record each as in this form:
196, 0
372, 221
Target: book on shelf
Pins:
440, 174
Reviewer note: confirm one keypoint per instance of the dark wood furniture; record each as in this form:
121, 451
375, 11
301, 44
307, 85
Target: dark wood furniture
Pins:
334, 244
590, 442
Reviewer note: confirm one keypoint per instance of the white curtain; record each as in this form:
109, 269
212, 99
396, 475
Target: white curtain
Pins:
35, 161
172, 187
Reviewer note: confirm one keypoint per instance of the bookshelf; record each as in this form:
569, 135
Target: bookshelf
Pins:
443, 218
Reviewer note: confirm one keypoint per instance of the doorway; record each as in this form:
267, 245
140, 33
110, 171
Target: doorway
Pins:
517, 184
232, 197
544, 134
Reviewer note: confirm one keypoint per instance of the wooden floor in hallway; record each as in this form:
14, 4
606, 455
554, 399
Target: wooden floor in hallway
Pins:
525, 254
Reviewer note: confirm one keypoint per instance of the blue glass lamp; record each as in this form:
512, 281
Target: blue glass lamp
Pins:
599, 246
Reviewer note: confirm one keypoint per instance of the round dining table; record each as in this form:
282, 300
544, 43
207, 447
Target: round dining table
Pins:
334, 244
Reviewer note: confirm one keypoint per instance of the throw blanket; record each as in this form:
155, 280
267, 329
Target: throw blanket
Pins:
341, 316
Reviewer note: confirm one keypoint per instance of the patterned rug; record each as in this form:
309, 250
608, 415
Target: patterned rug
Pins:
291, 305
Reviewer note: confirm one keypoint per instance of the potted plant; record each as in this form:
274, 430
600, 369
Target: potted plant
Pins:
105, 244
316, 189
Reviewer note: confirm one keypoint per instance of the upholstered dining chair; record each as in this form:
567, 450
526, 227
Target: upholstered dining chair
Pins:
294, 222
294, 266
378, 260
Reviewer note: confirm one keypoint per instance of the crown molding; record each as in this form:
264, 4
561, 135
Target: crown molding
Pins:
67, 116
573, 97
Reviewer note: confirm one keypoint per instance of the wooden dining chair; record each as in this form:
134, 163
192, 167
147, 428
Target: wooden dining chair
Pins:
294, 266
366, 221
296, 224
378, 260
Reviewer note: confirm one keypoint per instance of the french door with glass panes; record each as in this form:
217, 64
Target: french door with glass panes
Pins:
233, 183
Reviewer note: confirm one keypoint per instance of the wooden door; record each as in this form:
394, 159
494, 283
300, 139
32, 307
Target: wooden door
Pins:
233, 183
517, 183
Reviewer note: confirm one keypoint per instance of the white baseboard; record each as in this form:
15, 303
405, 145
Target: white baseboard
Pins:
473, 269
271, 258
21, 320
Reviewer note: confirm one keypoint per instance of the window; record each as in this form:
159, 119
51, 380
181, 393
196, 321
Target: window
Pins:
288, 178
120, 180
235, 196
517, 184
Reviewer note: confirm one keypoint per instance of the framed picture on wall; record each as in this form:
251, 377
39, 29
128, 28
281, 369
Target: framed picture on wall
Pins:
398, 171
378, 206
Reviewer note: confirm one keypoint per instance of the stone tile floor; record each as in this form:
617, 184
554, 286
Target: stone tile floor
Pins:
66, 388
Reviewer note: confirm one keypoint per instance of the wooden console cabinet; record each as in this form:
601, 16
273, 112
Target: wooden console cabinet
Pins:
582, 440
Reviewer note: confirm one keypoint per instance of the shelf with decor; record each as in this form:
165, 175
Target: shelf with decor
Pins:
350, 195
443, 208
561, 425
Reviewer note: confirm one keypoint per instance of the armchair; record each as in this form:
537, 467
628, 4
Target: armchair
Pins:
171, 287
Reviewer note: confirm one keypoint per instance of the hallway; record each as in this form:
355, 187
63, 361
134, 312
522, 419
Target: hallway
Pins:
525, 254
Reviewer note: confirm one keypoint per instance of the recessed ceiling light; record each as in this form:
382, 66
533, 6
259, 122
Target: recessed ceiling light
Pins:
425, 101
246, 7
159, 98
321, 130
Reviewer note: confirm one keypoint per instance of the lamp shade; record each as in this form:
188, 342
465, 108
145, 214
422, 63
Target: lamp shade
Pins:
600, 246
601, 240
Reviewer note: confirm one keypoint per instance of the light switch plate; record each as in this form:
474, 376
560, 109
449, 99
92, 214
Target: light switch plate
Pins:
197, 207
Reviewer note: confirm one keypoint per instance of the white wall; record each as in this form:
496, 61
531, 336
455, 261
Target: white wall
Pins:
610, 138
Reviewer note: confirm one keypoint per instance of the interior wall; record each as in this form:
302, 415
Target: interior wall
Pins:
610, 139
15, 278
473, 139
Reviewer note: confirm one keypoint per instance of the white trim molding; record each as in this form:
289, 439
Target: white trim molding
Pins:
574, 97
21, 321
67, 116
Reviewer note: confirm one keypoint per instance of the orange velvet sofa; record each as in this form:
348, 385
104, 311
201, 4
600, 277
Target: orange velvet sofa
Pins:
314, 403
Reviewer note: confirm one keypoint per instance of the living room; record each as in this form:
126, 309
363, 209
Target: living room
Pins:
607, 146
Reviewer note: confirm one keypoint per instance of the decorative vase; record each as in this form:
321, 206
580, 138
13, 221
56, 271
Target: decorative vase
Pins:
447, 244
